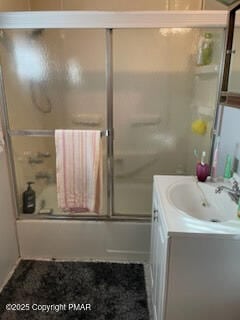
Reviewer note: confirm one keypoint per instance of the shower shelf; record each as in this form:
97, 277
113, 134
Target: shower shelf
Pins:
210, 69
206, 111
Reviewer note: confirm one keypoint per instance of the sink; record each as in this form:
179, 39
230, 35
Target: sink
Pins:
200, 201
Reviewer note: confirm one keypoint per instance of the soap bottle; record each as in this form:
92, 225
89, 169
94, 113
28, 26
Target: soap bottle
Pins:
205, 49
29, 199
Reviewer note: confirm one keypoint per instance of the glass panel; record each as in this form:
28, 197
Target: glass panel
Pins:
234, 78
35, 160
55, 77
160, 95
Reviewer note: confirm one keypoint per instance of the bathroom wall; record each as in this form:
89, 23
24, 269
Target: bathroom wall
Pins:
14, 5
19, 5
8, 238
214, 5
115, 5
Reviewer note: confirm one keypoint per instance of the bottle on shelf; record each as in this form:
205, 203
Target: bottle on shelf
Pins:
205, 50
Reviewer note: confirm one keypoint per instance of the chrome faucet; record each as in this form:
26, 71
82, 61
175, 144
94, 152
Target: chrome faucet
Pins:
43, 175
234, 193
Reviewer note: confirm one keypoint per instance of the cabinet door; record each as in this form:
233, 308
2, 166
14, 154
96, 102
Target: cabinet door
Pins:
157, 261
160, 272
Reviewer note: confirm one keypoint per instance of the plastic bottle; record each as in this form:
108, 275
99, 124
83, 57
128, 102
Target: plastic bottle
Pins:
236, 158
205, 49
215, 160
29, 199
228, 167
202, 169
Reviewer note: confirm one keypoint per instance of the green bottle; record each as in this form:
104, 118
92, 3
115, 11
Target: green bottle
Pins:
228, 167
207, 49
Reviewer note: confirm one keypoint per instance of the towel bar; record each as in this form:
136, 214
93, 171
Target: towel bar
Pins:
44, 133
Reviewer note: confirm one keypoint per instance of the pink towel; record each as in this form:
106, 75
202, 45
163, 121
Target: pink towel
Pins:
79, 170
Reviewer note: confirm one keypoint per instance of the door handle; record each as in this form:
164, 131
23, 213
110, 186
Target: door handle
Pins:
155, 215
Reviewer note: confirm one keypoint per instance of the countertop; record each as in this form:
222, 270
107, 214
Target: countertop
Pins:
181, 224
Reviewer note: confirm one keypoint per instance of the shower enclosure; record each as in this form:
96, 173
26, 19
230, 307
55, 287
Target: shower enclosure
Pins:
134, 76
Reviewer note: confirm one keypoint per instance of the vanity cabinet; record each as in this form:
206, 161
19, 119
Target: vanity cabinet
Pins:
192, 275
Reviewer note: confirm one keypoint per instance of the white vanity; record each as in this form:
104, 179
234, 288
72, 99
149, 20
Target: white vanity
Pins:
195, 251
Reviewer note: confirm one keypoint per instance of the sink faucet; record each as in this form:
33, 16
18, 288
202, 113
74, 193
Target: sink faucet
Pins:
234, 193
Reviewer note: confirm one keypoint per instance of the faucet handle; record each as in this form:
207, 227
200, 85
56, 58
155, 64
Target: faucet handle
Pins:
218, 189
235, 186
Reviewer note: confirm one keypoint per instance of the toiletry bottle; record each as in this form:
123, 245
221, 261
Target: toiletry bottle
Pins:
202, 169
215, 160
236, 158
205, 49
29, 199
228, 167
200, 52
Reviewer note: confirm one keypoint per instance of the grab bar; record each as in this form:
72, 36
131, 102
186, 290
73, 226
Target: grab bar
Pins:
45, 133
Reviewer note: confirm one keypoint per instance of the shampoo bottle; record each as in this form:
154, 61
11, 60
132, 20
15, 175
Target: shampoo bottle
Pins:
29, 199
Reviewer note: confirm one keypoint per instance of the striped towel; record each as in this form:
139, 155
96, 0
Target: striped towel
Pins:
79, 170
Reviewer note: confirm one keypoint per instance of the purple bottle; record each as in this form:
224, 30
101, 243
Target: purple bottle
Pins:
202, 171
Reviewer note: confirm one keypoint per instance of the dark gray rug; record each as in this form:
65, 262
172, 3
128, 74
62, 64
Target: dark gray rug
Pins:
75, 290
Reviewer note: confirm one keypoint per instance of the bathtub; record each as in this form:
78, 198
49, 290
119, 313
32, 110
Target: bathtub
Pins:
41, 237
130, 199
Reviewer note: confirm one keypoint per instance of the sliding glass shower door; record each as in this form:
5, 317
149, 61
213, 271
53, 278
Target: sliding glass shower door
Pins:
53, 79
162, 99
143, 85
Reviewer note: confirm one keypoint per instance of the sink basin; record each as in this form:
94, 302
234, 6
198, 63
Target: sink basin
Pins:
200, 201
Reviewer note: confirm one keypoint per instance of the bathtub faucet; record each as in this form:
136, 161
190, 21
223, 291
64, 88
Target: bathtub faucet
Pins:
43, 175
233, 192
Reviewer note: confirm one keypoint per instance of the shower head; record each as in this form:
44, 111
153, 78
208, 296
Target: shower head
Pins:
36, 33
5, 41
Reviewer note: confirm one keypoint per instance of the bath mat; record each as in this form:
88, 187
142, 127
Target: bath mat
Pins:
75, 290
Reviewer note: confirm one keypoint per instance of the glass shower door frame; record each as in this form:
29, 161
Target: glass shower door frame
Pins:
102, 20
